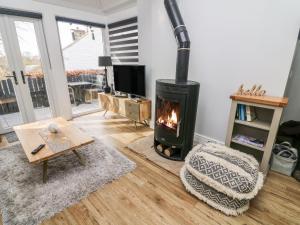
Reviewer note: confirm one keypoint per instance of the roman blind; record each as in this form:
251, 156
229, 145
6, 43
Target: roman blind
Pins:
123, 40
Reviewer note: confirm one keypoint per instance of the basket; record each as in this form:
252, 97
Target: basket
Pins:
280, 162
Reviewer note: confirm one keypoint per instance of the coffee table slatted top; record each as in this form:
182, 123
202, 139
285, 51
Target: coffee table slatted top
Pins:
30, 137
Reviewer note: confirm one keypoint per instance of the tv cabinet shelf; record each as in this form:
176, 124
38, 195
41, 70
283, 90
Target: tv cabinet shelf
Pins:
139, 112
264, 127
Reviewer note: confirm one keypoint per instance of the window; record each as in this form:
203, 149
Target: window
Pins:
123, 39
82, 44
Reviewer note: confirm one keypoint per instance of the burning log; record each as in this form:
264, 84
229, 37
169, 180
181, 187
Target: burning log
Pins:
160, 148
170, 120
170, 151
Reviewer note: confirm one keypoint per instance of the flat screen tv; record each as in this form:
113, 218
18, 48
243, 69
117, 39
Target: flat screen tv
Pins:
130, 79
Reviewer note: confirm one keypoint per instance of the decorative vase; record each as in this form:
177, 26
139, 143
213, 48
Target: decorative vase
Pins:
53, 128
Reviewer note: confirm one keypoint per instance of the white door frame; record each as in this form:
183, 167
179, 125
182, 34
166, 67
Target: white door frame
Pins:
12, 48
12, 66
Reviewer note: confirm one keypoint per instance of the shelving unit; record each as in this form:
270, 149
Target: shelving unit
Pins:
268, 112
248, 145
256, 123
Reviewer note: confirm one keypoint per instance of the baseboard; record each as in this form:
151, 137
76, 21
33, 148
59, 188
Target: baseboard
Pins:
199, 138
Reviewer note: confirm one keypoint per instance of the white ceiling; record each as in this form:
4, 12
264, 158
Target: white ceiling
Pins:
95, 6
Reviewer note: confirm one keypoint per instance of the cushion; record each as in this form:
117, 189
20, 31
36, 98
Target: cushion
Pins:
216, 199
229, 171
224, 178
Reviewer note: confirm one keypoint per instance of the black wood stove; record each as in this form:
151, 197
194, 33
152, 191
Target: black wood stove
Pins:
176, 100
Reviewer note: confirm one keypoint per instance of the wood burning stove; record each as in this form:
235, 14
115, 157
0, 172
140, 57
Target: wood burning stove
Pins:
176, 100
176, 109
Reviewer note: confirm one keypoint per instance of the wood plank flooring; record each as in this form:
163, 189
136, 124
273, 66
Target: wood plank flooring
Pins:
151, 195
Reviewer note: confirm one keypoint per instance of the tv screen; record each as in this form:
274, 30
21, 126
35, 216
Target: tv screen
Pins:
130, 79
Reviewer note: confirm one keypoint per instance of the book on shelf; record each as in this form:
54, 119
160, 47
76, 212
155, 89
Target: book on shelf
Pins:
250, 113
245, 113
239, 112
249, 140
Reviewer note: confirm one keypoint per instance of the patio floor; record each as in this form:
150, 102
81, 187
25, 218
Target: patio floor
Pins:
12, 119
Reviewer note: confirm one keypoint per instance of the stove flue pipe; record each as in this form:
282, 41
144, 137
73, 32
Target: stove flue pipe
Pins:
183, 40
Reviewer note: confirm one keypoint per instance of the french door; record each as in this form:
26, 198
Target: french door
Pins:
24, 72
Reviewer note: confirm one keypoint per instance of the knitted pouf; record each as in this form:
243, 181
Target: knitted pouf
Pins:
224, 178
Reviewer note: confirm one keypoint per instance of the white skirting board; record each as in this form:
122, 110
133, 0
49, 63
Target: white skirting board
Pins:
200, 139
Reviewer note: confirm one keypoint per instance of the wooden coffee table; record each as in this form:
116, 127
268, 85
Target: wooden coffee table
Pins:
69, 138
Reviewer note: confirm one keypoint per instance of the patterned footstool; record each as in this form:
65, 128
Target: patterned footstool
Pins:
224, 178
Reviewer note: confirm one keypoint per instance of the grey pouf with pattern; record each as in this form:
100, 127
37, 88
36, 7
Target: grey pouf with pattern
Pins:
224, 178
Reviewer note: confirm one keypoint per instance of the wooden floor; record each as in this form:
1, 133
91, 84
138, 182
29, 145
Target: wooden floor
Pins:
151, 195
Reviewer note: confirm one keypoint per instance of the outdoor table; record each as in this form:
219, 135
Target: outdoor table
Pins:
78, 91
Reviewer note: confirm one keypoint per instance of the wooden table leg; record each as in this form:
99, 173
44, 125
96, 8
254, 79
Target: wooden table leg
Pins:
105, 113
81, 160
45, 168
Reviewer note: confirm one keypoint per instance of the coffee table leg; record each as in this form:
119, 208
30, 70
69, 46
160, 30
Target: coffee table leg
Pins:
81, 160
45, 168
105, 113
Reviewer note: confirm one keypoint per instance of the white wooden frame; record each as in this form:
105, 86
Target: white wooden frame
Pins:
12, 48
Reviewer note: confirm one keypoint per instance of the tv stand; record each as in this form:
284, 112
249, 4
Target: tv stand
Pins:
119, 94
139, 112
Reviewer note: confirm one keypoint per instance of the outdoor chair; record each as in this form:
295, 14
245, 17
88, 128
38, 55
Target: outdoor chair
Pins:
72, 95
8, 100
92, 92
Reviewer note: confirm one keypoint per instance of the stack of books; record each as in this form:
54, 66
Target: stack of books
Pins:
249, 140
245, 113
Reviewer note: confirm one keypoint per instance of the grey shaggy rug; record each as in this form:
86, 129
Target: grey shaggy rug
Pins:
26, 200
11, 137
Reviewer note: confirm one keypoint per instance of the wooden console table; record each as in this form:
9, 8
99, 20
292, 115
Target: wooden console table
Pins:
136, 111
268, 112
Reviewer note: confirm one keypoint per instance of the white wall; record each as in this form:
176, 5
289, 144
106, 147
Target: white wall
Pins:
233, 42
58, 79
292, 111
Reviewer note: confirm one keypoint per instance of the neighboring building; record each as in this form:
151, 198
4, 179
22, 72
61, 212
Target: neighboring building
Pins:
83, 53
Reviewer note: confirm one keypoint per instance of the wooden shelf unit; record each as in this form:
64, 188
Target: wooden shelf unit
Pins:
248, 145
256, 123
136, 111
265, 126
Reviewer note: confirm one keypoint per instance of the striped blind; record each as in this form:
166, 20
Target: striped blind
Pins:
123, 40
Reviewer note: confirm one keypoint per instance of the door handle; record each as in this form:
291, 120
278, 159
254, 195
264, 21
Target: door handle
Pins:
15, 77
23, 76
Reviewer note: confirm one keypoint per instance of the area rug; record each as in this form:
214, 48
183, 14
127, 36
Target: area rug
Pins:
11, 137
144, 147
26, 200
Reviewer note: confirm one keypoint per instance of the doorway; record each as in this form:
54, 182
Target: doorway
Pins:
24, 71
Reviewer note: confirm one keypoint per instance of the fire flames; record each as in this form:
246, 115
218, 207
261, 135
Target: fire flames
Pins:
171, 120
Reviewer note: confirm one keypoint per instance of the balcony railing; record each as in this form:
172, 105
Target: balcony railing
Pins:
37, 87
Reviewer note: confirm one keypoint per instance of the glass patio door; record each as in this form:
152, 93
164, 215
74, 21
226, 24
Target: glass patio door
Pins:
24, 67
